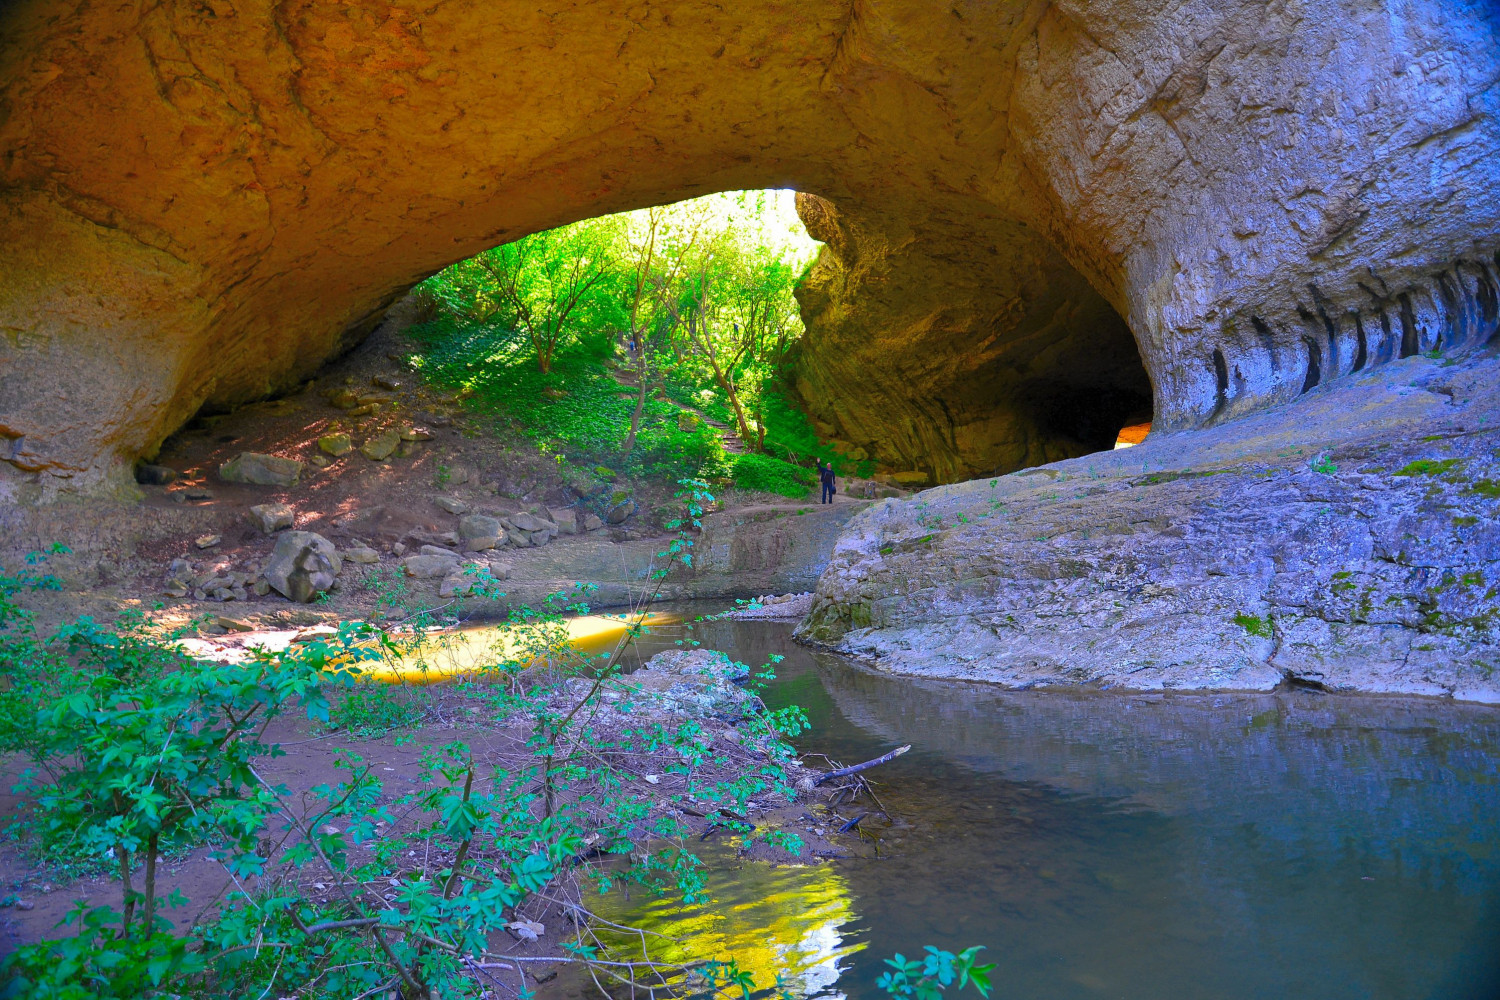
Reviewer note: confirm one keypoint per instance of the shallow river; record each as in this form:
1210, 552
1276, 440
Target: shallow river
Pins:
1290, 845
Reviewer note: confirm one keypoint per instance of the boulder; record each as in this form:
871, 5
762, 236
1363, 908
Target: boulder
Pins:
452, 505
463, 580
532, 522
620, 511
344, 399
337, 444
261, 470
520, 539
379, 447
416, 434
437, 550
271, 517
361, 554
302, 565
154, 475
591, 522
479, 532
429, 567
566, 520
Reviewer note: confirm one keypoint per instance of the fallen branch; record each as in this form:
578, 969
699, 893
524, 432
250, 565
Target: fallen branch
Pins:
844, 772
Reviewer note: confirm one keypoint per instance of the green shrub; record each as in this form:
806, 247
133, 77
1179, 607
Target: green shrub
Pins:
772, 475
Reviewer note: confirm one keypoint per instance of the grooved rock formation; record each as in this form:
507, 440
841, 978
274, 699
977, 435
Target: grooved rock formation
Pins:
1348, 540
199, 202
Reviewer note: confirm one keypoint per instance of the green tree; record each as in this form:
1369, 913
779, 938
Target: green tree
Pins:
555, 285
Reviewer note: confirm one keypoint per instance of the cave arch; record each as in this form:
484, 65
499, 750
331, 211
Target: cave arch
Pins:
200, 201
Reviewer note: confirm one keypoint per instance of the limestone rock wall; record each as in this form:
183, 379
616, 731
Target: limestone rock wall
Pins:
200, 201
1349, 539
957, 348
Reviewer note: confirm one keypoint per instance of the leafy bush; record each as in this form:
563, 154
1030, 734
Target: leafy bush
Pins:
772, 475
136, 746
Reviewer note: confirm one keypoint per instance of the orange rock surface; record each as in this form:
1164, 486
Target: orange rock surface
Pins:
201, 201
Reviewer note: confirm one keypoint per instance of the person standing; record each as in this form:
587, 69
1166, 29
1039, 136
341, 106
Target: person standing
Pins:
825, 475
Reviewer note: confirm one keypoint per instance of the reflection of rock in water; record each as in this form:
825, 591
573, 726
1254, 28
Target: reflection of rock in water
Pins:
1187, 836
1176, 753
1150, 846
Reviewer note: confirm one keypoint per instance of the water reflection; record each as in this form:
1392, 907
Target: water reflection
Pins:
446, 654
791, 921
1286, 845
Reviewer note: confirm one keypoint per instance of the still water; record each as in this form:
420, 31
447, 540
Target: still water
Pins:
1293, 845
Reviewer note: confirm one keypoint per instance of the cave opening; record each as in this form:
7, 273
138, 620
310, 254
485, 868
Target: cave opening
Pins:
913, 367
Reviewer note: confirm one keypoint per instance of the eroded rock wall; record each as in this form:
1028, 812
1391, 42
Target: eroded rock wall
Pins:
958, 346
201, 201
1349, 540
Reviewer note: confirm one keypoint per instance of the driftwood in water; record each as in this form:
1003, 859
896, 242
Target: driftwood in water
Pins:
844, 772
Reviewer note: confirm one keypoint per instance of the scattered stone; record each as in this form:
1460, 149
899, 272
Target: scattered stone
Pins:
591, 522
429, 567
344, 399
540, 538
398, 549
155, 475
198, 494
479, 532
566, 520
452, 505
175, 589
416, 434
319, 461
379, 447
302, 565
438, 550
207, 541
361, 554
458, 475
367, 410
337, 444
464, 580
620, 511
518, 538
261, 470
407, 449
179, 569
500, 570
261, 587
530, 522
233, 624
386, 382
271, 517
449, 539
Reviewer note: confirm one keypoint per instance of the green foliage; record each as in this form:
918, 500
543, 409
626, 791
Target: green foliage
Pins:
1323, 464
927, 978
576, 410
372, 708
704, 288
137, 747
1428, 467
771, 475
1255, 625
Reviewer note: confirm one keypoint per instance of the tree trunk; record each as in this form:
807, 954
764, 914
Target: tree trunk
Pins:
640, 407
